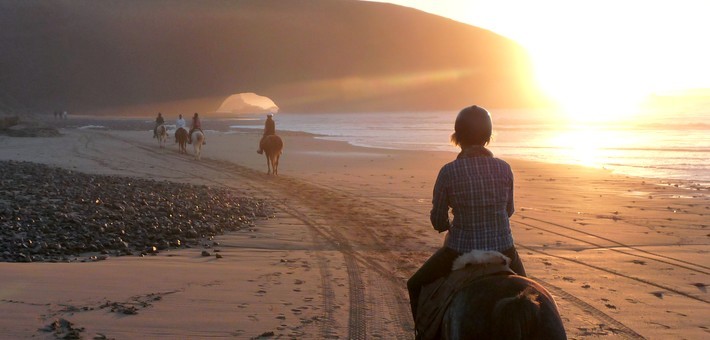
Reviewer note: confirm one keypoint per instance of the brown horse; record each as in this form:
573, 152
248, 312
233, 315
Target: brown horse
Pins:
503, 307
273, 147
181, 137
488, 301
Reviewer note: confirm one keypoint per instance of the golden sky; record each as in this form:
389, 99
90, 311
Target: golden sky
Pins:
588, 53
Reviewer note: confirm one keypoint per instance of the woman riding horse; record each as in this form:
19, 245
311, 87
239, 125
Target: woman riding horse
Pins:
196, 125
269, 130
179, 124
479, 189
158, 122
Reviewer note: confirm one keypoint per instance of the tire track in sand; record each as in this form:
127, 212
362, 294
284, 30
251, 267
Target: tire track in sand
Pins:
272, 188
327, 325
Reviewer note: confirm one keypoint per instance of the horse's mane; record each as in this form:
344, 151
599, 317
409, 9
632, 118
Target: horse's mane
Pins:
516, 317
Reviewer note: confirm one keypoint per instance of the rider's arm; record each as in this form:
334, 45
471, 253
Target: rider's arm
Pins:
440, 204
510, 207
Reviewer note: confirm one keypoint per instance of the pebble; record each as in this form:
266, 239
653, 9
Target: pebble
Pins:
49, 214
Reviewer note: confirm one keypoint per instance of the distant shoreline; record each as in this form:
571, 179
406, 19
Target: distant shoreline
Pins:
252, 122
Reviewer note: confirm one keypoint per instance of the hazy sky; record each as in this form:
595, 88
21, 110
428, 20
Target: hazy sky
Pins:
621, 50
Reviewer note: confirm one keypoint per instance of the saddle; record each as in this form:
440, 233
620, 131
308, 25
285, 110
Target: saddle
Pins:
189, 135
435, 297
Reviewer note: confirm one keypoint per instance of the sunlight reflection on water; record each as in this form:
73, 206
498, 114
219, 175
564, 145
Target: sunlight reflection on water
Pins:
647, 149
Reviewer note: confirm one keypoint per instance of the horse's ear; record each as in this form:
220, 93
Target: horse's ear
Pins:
531, 294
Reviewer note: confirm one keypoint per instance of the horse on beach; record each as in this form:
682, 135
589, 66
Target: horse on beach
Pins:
273, 147
162, 133
181, 137
487, 301
198, 138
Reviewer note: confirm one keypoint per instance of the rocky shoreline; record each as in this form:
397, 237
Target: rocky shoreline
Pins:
50, 214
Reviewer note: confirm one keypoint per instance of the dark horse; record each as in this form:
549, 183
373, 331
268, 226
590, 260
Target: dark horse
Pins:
488, 302
503, 307
181, 137
273, 147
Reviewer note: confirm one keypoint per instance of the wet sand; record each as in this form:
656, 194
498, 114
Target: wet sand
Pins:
624, 257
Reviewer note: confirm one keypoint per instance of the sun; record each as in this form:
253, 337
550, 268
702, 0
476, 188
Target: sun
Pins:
597, 100
598, 59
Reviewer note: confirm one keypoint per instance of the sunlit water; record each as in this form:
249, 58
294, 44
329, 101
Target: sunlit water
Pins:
664, 147
659, 148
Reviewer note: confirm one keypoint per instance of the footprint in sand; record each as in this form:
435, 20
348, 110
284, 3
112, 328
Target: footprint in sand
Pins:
660, 324
701, 286
676, 313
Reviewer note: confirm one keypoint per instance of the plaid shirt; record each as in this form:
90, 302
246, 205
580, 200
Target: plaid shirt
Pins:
479, 190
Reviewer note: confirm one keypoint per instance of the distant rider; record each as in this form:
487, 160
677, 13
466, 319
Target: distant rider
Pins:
269, 129
196, 125
158, 122
179, 124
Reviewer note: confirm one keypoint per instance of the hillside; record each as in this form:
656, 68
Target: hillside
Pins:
139, 57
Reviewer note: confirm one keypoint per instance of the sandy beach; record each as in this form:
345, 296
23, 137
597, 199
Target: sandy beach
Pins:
624, 257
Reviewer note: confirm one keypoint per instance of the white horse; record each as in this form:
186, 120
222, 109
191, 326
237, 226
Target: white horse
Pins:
198, 138
162, 133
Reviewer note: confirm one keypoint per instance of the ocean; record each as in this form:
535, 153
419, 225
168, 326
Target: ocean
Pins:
655, 148
662, 147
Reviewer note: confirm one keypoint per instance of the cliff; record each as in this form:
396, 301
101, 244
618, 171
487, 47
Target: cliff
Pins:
182, 56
